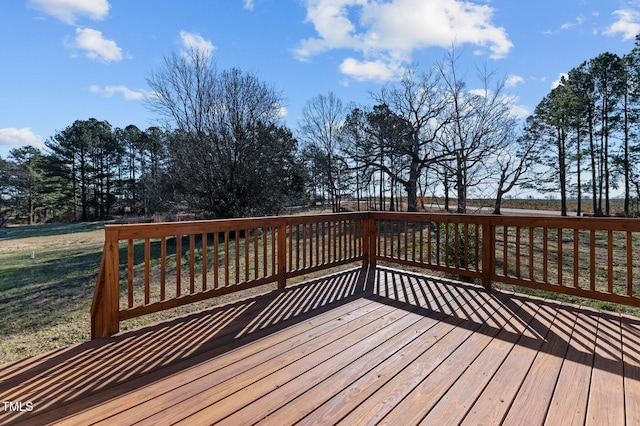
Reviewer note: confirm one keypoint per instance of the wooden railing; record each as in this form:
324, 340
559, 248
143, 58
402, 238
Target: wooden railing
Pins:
151, 267
586, 257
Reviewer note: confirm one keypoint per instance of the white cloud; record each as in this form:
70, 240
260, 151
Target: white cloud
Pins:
628, 24
480, 92
369, 70
95, 46
513, 80
567, 25
69, 10
556, 83
14, 138
248, 4
282, 110
110, 91
194, 41
519, 111
389, 32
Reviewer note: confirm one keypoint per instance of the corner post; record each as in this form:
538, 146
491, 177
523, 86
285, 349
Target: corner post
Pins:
369, 240
112, 284
488, 252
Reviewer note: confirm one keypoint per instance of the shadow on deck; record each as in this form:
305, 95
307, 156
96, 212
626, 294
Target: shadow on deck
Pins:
358, 346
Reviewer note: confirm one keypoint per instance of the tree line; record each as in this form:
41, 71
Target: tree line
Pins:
222, 149
586, 130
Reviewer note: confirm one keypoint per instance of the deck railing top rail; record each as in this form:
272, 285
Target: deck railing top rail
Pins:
150, 267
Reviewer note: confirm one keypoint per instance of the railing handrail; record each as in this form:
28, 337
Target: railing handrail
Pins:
290, 242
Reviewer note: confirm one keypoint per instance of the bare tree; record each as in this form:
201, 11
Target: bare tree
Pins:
323, 117
479, 125
512, 167
417, 101
226, 133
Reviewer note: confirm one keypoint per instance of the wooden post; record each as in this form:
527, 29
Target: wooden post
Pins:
97, 305
282, 256
488, 253
369, 240
112, 284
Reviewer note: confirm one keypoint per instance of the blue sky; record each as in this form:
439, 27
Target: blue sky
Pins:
65, 60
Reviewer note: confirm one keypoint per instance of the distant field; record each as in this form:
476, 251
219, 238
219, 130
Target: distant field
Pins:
617, 206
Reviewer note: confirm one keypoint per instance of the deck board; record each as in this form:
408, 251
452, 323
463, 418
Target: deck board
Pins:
389, 347
569, 401
606, 396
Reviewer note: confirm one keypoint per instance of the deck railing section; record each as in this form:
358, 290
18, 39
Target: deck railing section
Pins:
148, 268
597, 258
441, 242
151, 267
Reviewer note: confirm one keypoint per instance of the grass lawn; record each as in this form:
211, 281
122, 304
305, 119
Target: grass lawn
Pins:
45, 299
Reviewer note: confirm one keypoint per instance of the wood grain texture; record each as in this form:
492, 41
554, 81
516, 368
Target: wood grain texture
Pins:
363, 346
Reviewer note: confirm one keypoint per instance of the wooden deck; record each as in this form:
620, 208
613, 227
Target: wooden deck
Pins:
386, 347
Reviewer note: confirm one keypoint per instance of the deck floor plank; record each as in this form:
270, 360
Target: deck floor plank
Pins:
606, 396
248, 369
395, 351
354, 347
220, 400
432, 392
439, 340
462, 395
146, 401
569, 400
531, 403
631, 362
350, 369
492, 405
417, 380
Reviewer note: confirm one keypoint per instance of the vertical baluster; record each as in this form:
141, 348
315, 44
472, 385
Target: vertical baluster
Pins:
237, 255
147, 269
216, 261
576, 258
130, 260
405, 228
256, 234
227, 260
446, 244
178, 265
429, 227
317, 252
629, 248
505, 250
610, 261
290, 227
274, 250
545, 254
456, 245
477, 246
421, 239
204, 262
163, 267
532, 231
560, 255
518, 252
247, 239
466, 246
438, 243
192, 263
